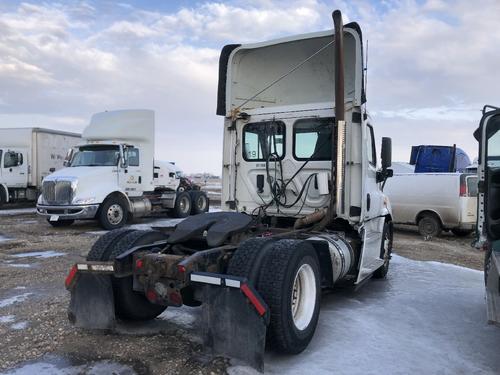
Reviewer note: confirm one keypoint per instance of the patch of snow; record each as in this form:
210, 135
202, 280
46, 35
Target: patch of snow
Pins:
18, 211
20, 265
53, 365
184, 316
4, 238
14, 299
19, 288
425, 318
19, 325
7, 319
39, 254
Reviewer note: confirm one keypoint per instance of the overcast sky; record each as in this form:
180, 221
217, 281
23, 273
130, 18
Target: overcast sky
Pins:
432, 65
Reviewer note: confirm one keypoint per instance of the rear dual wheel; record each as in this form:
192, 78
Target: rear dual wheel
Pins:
129, 304
287, 275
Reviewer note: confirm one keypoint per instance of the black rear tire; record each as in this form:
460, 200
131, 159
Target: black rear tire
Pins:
102, 247
385, 250
200, 202
461, 232
113, 213
60, 223
248, 258
429, 225
277, 285
129, 304
182, 207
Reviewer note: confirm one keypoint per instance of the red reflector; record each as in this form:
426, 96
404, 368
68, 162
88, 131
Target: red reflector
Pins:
181, 268
71, 276
253, 299
139, 263
175, 298
463, 190
151, 295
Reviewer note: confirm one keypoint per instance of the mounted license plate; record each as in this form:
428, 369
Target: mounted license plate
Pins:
54, 217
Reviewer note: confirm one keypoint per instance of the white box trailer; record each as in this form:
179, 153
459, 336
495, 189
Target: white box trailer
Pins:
434, 201
27, 156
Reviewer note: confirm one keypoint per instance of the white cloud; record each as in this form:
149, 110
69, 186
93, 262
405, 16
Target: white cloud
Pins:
432, 65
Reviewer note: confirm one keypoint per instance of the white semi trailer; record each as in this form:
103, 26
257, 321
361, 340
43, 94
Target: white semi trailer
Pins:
303, 207
27, 156
112, 175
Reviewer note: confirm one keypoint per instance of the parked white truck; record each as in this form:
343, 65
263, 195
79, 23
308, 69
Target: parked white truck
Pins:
27, 156
434, 201
113, 176
303, 207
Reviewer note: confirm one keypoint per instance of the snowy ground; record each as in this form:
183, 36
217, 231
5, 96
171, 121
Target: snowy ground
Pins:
426, 318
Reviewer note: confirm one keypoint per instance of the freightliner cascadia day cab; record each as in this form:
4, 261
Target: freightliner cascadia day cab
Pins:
112, 176
488, 213
27, 156
303, 207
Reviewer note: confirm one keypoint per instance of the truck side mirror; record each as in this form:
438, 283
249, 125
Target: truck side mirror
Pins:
19, 159
386, 153
69, 156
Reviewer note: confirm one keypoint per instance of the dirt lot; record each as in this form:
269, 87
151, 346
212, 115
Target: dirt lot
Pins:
34, 260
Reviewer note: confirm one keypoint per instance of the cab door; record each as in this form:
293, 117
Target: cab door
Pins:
15, 167
373, 200
488, 222
129, 175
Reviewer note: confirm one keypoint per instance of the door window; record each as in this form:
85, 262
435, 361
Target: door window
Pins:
12, 159
372, 151
264, 139
132, 156
312, 139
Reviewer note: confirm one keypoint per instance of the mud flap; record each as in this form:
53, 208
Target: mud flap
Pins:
234, 320
92, 302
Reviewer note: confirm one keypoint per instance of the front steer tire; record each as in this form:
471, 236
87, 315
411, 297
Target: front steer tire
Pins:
284, 265
113, 213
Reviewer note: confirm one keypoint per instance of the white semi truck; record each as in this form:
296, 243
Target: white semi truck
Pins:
112, 176
302, 199
27, 156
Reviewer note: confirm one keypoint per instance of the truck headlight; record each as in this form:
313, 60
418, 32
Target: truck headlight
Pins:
90, 200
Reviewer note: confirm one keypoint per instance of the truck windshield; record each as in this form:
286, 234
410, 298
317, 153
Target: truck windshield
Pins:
96, 156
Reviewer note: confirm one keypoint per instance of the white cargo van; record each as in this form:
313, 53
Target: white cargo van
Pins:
112, 175
434, 201
27, 155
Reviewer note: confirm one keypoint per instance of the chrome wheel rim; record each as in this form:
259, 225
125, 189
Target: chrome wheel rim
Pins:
201, 203
115, 214
184, 205
303, 300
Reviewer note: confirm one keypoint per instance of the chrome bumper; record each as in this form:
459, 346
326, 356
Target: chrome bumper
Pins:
68, 212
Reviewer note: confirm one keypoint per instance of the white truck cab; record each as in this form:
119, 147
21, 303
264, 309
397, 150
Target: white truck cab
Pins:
112, 175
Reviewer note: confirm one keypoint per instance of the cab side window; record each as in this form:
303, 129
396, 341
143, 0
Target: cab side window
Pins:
12, 159
133, 156
372, 151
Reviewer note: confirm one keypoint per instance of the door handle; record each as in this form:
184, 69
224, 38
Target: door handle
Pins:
125, 171
140, 179
368, 202
10, 169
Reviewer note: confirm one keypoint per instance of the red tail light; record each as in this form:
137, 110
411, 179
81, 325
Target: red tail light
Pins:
463, 189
